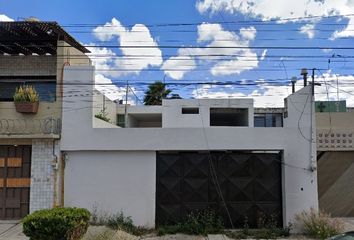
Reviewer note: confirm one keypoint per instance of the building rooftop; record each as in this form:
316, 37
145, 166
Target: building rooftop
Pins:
34, 37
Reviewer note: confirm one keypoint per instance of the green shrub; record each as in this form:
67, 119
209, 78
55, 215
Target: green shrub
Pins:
169, 229
103, 115
197, 223
56, 224
262, 233
267, 228
318, 224
203, 222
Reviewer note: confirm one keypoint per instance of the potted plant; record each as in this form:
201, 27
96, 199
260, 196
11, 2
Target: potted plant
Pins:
26, 99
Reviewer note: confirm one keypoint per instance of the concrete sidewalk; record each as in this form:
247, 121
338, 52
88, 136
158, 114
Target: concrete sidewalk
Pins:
11, 230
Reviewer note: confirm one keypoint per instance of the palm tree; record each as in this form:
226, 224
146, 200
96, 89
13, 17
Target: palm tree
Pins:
156, 92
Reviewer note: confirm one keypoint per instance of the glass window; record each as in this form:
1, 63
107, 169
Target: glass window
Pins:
268, 120
46, 89
259, 121
121, 120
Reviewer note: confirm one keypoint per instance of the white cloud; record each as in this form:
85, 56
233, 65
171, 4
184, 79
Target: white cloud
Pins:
345, 85
348, 31
308, 29
133, 59
285, 10
273, 96
266, 96
248, 33
277, 9
109, 30
102, 59
4, 18
213, 91
105, 86
177, 67
224, 61
237, 65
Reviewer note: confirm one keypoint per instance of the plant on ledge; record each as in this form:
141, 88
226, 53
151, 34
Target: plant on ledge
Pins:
26, 99
103, 115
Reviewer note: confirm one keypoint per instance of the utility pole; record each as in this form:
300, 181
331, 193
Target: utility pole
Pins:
313, 162
313, 81
126, 105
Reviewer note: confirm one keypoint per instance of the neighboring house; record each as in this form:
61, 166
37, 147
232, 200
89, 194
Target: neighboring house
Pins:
335, 153
33, 53
335, 146
187, 155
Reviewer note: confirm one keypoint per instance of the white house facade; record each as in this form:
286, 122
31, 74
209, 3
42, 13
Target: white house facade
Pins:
187, 155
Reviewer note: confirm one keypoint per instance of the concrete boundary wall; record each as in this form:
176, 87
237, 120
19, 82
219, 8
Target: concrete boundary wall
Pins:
113, 181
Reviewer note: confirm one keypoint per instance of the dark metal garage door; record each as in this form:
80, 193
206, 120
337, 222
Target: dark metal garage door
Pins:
15, 180
250, 184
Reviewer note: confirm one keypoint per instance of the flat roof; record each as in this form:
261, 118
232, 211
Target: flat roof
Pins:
34, 37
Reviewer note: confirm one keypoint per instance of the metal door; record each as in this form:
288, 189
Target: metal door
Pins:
249, 184
15, 181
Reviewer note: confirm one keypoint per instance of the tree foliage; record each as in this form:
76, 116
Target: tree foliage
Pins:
155, 93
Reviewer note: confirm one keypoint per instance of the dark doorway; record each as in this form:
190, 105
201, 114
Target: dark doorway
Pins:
15, 181
250, 184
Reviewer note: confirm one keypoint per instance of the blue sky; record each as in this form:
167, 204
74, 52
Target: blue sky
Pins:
261, 73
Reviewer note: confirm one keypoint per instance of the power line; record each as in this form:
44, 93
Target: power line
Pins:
207, 47
238, 21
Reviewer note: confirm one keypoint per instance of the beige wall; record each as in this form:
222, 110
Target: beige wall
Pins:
67, 55
27, 65
13, 122
37, 66
335, 131
335, 183
335, 120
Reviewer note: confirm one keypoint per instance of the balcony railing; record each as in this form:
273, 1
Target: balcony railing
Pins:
30, 126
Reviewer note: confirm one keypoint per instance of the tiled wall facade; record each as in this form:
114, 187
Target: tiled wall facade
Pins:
42, 175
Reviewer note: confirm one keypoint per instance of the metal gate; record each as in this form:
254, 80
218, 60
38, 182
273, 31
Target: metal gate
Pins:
15, 181
250, 184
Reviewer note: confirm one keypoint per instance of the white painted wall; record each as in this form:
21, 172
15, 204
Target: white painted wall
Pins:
300, 168
78, 137
115, 180
172, 116
101, 102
